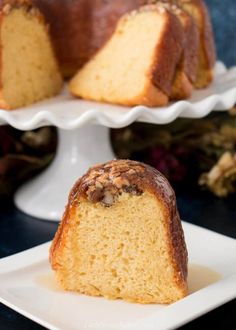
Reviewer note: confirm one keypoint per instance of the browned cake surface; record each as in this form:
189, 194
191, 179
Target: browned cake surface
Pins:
186, 71
172, 44
104, 188
190, 60
207, 52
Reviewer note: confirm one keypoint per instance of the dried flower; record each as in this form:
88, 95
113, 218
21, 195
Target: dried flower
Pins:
232, 111
170, 162
221, 179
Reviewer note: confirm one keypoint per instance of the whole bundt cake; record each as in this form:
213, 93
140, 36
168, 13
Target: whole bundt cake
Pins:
121, 236
79, 28
29, 69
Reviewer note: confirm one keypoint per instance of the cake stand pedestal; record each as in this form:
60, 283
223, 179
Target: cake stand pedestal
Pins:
44, 197
84, 136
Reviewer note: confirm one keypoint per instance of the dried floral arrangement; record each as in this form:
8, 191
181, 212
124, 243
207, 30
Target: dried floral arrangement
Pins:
196, 153
199, 152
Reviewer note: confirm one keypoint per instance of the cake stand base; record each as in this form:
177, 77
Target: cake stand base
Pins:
45, 196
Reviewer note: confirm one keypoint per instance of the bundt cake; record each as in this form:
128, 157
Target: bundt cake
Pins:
79, 28
29, 70
121, 236
206, 53
138, 63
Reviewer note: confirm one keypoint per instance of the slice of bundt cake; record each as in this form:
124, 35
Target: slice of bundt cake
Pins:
121, 236
206, 53
137, 65
29, 71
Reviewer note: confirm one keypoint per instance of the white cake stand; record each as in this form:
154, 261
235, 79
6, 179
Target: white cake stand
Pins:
83, 129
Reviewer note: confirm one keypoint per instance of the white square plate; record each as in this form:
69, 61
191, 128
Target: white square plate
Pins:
27, 286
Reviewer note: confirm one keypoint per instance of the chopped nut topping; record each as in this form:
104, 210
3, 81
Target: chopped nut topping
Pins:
108, 198
34, 11
93, 175
119, 182
95, 195
98, 185
105, 183
133, 189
